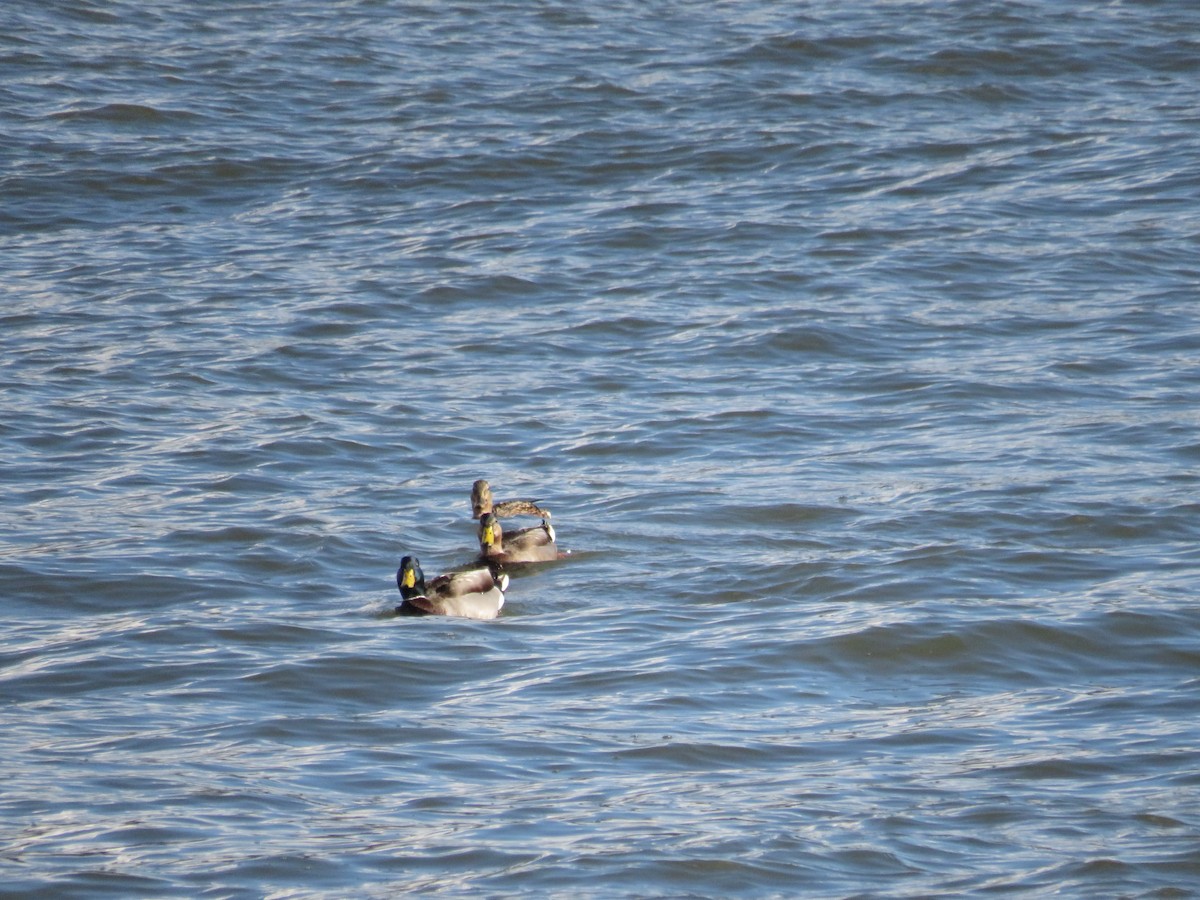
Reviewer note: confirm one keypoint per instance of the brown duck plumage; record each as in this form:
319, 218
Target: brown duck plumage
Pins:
482, 503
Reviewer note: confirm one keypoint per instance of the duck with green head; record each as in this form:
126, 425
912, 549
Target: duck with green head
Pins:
476, 593
535, 544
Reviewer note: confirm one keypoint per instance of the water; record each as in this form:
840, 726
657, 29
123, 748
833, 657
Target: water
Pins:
853, 346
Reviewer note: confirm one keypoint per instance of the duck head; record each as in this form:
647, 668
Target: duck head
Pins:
409, 578
481, 498
491, 536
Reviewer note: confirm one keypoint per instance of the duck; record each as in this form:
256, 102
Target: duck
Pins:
481, 503
527, 545
476, 593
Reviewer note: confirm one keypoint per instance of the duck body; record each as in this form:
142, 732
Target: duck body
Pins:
535, 544
482, 503
476, 593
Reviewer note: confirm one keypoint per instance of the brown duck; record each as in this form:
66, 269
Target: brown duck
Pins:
481, 503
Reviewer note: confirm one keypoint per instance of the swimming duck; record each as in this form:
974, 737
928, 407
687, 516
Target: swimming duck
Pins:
527, 545
474, 594
481, 503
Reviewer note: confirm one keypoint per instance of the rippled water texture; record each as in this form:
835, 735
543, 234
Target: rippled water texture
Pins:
853, 346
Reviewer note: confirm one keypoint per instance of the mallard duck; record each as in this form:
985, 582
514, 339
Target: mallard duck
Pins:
527, 545
474, 594
481, 503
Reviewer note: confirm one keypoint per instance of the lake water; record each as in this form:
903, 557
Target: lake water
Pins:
854, 346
